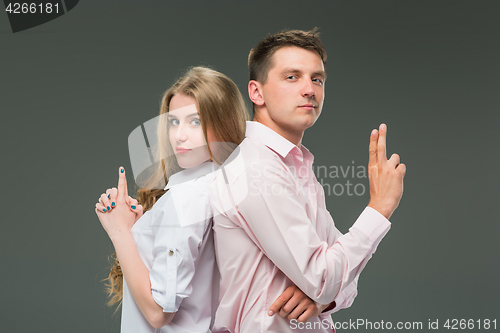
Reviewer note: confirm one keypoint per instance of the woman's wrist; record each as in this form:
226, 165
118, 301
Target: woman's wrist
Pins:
120, 235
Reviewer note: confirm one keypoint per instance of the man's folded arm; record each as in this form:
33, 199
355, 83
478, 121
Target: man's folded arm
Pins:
274, 216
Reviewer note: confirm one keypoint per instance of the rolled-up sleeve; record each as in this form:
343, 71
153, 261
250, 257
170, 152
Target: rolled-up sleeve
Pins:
164, 279
178, 235
273, 215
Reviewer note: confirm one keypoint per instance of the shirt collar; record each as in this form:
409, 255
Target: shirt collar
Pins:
270, 138
191, 174
273, 140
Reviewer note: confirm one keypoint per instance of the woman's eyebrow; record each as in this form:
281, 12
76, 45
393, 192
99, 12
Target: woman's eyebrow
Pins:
189, 115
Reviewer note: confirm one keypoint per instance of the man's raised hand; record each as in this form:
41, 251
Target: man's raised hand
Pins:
385, 175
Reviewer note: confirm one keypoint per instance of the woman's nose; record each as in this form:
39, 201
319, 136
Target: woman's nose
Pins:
181, 134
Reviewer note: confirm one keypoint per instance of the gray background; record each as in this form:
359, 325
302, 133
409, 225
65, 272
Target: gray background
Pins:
74, 88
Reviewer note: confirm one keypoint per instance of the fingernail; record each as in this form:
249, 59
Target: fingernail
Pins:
104, 210
109, 196
133, 207
270, 313
112, 204
109, 208
122, 170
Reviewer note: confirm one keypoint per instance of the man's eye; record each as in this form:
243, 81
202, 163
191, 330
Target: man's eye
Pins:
173, 121
291, 77
319, 81
196, 122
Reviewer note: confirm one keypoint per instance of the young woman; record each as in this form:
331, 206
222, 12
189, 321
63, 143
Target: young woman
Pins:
166, 255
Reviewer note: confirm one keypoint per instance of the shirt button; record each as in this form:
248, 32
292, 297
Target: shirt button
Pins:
170, 252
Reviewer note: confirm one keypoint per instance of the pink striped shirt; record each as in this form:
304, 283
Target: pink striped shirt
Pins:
272, 230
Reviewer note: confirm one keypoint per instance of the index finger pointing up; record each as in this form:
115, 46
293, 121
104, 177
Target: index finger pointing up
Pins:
122, 185
381, 150
373, 148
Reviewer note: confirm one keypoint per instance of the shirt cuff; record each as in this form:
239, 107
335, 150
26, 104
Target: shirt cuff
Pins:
372, 224
338, 303
164, 283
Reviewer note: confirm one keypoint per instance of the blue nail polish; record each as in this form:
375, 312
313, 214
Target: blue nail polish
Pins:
109, 196
122, 170
133, 207
112, 204
104, 210
109, 208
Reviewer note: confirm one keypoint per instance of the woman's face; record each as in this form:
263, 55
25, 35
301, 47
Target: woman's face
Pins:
185, 133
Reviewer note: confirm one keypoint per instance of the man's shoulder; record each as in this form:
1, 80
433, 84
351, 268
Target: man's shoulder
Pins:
250, 154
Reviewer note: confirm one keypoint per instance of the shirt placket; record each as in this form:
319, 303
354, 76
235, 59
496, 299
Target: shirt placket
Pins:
299, 166
303, 173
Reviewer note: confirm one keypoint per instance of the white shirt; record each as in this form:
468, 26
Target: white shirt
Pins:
175, 242
272, 230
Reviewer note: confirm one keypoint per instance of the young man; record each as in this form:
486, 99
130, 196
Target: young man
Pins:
272, 229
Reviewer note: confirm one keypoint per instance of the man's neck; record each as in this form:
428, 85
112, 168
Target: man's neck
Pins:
295, 138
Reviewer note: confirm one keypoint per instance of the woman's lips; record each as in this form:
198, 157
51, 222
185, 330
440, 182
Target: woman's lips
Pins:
181, 150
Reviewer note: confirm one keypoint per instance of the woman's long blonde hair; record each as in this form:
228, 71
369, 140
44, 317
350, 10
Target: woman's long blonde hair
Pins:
222, 110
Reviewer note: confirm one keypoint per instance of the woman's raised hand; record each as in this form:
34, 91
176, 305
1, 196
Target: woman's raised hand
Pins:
116, 210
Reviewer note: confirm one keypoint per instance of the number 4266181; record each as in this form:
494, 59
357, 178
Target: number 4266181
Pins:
32, 8
462, 324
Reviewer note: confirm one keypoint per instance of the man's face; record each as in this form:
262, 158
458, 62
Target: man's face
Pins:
294, 91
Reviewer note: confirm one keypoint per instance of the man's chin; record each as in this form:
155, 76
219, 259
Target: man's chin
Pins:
307, 122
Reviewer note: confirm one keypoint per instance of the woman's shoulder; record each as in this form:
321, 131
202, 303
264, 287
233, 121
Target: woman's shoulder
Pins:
190, 192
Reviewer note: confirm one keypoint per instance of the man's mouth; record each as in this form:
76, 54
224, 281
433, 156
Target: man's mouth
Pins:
308, 106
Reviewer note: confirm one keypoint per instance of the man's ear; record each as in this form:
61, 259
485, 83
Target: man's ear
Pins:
255, 92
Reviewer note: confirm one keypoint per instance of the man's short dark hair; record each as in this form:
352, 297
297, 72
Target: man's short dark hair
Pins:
259, 59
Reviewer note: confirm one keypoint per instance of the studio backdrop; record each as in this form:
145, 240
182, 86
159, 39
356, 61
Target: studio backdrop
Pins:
75, 84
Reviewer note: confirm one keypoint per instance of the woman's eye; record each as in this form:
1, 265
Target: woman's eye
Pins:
173, 122
196, 122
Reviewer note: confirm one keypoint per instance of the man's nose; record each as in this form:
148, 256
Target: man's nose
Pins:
308, 89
